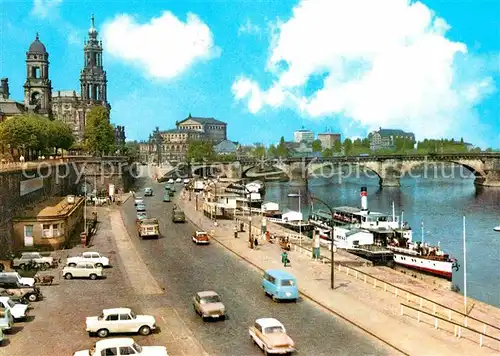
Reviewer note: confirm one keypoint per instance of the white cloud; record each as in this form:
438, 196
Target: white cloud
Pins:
386, 63
164, 47
249, 28
44, 8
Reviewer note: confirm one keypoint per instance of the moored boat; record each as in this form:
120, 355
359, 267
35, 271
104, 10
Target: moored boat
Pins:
497, 228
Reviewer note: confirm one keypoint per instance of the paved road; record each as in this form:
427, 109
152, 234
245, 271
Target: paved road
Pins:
184, 268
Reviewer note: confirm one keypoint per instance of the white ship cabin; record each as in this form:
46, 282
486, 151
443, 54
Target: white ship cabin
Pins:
292, 216
220, 205
352, 238
365, 219
271, 210
321, 218
254, 187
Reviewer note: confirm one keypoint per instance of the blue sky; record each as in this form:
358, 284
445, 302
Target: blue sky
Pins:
268, 68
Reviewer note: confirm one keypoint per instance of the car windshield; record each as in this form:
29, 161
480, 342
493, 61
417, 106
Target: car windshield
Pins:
274, 329
132, 314
11, 303
137, 348
287, 282
210, 299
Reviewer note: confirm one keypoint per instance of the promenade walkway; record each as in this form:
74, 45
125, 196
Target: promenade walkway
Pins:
372, 309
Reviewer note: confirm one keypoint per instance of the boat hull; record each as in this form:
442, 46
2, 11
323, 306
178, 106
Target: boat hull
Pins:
442, 269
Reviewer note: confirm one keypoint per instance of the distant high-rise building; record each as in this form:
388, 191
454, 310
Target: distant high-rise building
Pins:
328, 139
303, 135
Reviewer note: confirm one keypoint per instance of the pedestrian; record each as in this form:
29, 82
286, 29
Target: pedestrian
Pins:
235, 231
284, 258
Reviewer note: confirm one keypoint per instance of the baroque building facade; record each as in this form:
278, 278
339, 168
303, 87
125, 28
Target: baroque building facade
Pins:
71, 107
68, 106
172, 145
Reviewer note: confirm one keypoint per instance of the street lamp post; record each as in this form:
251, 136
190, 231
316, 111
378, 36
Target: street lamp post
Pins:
332, 271
250, 240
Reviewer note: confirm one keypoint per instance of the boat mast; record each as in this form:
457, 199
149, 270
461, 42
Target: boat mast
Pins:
393, 212
402, 216
422, 226
465, 273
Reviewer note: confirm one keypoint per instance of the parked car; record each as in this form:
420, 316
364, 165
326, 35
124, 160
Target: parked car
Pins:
178, 216
138, 200
126, 346
170, 181
19, 292
140, 207
83, 270
18, 310
1, 336
280, 285
148, 192
94, 257
120, 320
6, 319
178, 180
39, 261
208, 304
270, 335
200, 237
166, 198
141, 215
16, 277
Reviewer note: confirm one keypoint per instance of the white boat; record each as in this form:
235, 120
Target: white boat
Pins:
497, 228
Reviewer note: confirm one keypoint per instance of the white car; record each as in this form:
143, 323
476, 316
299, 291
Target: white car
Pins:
120, 320
9, 277
18, 311
170, 181
270, 335
125, 346
83, 270
178, 180
94, 257
138, 201
43, 262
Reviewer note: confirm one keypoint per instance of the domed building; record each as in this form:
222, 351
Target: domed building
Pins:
69, 106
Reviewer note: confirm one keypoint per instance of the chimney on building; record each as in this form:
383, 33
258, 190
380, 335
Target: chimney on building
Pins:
364, 199
5, 88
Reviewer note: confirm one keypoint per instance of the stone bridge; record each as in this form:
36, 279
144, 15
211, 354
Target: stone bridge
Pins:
388, 168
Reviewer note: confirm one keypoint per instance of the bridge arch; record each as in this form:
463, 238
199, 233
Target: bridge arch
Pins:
473, 166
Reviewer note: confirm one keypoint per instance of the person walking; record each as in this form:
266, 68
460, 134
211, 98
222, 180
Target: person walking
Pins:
284, 258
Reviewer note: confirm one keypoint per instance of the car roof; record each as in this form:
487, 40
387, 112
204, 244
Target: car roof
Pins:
116, 310
5, 298
267, 322
279, 274
207, 293
122, 341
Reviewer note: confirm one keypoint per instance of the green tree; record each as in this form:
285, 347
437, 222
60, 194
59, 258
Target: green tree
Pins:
337, 146
132, 149
316, 146
327, 152
99, 133
200, 150
347, 145
259, 151
59, 136
281, 149
271, 151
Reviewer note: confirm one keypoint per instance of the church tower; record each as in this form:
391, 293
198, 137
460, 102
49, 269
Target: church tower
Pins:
93, 77
38, 88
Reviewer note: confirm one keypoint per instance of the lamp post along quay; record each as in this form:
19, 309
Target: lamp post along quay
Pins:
250, 240
333, 247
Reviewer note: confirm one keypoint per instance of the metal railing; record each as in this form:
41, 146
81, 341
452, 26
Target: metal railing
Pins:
458, 329
426, 304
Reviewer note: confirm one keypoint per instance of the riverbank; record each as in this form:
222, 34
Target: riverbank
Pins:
373, 306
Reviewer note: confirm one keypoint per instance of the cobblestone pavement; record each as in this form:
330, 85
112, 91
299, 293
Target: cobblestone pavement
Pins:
57, 325
183, 269
374, 309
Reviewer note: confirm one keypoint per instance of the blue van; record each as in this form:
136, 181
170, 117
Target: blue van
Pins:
280, 285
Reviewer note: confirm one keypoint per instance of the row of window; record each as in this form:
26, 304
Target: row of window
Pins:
48, 230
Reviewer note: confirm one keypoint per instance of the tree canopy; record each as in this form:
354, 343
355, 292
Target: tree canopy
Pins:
200, 150
99, 133
31, 133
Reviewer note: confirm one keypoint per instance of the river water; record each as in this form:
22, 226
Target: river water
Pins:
439, 198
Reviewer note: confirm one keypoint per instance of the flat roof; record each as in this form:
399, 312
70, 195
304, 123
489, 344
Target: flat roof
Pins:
357, 211
279, 273
52, 207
